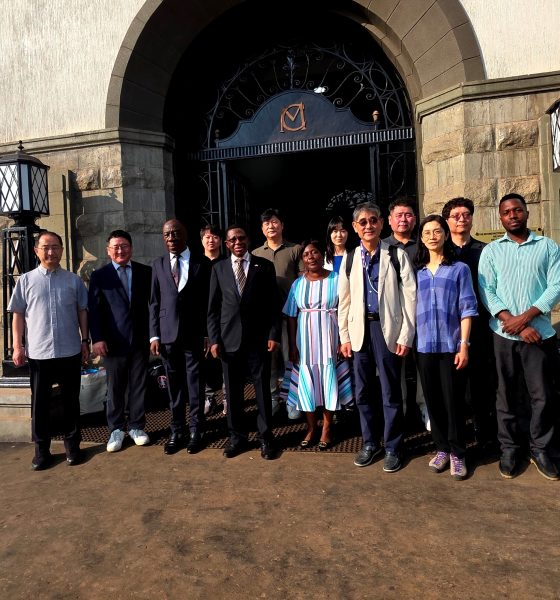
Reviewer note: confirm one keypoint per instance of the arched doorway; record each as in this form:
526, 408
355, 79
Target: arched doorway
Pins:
310, 118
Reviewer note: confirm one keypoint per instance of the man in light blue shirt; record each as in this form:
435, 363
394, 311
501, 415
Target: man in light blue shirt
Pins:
49, 307
519, 281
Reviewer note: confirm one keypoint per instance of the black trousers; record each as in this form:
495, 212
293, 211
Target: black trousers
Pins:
129, 371
184, 379
538, 364
444, 390
66, 372
236, 366
482, 381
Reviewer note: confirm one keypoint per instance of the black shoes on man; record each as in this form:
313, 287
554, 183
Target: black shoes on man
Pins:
509, 464
268, 451
178, 441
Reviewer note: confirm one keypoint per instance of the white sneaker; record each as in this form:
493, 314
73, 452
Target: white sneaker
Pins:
115, 441
139, 436
293, 412
426, 418
209, 405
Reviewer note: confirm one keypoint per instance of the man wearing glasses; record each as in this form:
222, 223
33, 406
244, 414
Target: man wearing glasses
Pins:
458, 213
376, 323
119, 296
178, 304
244, 328
49, 307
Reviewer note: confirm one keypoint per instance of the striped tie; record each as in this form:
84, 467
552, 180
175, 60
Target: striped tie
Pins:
240, 275
176, 269
124, 279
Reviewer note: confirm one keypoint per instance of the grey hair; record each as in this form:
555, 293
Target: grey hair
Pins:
366, 207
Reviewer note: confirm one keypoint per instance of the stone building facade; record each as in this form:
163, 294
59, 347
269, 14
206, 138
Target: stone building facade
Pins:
95, 112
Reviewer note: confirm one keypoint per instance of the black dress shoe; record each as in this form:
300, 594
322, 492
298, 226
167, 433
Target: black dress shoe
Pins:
508, 464
268, 451
544, 465
74, 458
175, 442
195, 443
233, 450
42, 461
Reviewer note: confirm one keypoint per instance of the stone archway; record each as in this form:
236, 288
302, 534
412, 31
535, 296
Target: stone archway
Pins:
431, 43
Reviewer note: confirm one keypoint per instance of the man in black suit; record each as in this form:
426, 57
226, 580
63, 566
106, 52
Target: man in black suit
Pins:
178, 307
244, 328
119, 295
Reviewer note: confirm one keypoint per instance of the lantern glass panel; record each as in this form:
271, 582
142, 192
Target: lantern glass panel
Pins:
9, 189
555, 126
39, 190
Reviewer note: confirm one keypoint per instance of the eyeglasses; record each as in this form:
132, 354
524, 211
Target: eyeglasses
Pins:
119, 247
172, 233
433, 233
236, 238
47, 248
371, 221
466, 216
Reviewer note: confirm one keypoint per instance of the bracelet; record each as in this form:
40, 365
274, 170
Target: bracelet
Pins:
466, 342
86, 341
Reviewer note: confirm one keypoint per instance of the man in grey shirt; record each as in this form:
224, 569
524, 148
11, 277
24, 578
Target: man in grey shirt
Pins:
49, 307
286, 258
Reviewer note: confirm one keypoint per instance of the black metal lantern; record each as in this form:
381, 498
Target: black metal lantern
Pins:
23, 197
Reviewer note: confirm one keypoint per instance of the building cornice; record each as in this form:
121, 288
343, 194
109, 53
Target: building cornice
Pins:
102, 137
487, 89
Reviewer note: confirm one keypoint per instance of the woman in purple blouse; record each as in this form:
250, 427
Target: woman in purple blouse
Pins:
445, 305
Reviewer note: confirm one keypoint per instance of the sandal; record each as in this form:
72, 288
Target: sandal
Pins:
324, 445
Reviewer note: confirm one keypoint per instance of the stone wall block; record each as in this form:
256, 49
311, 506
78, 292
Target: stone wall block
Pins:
528, 187
431, 180
90, 224
478, 139
480, 165
99, 156
482, 192
477, 113
442, 147
517, 135
87, 179
451, 171
111, 177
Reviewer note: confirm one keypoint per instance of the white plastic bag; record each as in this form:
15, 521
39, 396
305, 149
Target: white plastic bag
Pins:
93, 390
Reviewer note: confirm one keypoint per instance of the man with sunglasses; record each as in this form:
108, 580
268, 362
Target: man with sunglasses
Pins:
376, 316
119, 296
458, 212
244, 329
178, 304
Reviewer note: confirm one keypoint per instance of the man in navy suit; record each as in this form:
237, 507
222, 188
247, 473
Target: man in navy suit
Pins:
244, 328
119, 295
178, 307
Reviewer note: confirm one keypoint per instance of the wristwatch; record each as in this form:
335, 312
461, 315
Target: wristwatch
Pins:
86, 341
466, 342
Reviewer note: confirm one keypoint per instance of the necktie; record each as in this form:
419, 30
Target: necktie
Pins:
176, 269
240, 275
124, 279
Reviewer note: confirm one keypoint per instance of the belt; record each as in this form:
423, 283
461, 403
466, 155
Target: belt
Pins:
372, 316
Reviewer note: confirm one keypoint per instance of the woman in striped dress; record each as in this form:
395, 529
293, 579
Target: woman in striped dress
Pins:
311, 309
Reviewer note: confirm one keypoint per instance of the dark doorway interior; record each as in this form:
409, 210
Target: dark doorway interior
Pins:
304, 187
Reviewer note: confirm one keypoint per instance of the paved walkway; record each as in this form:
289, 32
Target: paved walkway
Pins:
139, 524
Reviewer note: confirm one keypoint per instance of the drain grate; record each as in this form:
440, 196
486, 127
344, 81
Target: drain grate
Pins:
288, 433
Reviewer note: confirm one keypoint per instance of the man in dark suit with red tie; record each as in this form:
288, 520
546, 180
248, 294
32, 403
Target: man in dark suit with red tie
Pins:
119, 295
178, 307
244, 328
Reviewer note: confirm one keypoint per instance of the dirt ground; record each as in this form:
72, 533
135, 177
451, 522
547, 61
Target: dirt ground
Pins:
138, 524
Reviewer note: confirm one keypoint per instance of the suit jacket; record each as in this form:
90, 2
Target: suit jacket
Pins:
251, 319
180, 315
112, 318
397, 302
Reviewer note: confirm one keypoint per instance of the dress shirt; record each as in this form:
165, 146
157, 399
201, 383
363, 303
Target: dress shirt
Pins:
246, 258
184, 261
128, 272
514, 277
50, 302
370, 266
287, 263
443, 299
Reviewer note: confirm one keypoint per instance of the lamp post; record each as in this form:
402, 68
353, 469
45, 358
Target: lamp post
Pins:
23, 198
